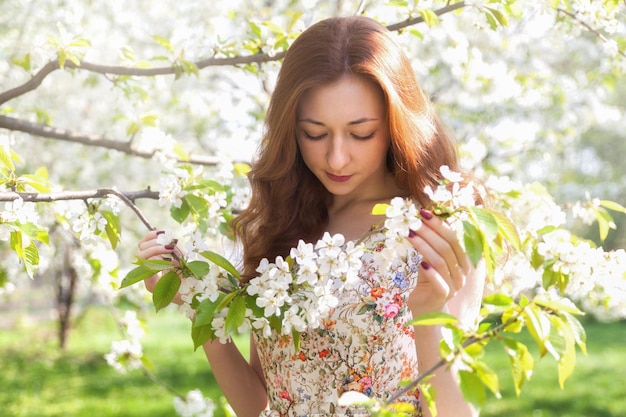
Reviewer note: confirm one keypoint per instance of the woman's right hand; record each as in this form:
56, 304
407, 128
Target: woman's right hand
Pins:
149, 248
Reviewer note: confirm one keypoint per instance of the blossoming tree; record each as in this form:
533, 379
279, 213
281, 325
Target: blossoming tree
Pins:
153, 124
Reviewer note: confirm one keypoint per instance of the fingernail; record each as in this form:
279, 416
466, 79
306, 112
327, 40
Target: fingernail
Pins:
160, 232
170, 247
426, 214
412, 233
166, 258
174, 241
425, 265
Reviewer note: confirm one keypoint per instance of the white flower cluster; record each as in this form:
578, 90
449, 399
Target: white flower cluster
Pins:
125, 355
16, 211
458, 196
303, 293
596, 279
194, 405
402, 217
170, 190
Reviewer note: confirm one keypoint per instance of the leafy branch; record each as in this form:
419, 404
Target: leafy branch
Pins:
68, 60
42, 130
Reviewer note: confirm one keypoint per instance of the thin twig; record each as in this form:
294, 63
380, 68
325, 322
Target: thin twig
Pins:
128, 197
443, 362
588, 27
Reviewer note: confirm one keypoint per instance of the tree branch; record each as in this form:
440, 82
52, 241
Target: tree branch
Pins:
588, 27
45, 131
36, 129
414, 21
128, 197
52, 66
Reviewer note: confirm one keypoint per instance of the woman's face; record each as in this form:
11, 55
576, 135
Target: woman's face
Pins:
343, 137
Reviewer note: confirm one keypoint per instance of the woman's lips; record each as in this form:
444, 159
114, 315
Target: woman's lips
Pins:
338, 178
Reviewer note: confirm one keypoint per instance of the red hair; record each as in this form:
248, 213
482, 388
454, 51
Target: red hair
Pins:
288, 203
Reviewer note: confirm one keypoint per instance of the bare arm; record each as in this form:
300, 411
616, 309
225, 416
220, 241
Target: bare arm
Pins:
241, 382
447, 282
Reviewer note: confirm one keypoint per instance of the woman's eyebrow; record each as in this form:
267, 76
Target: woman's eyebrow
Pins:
353, 122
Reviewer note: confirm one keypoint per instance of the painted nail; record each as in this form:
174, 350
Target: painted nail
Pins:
174, 241
425, 265
160, 232
426, 214
166, 258
412, 233
170, 247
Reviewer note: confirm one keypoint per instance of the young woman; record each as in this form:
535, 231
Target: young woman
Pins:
347, 127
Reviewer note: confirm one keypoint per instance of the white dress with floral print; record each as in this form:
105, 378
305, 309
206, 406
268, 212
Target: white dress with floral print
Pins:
364, 345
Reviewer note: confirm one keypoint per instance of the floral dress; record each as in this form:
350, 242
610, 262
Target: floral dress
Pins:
365, 345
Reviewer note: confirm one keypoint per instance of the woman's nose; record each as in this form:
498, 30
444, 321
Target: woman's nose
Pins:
338, 155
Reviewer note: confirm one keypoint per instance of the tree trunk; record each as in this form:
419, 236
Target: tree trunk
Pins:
65, 280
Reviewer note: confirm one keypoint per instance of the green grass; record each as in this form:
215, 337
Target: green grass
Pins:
37, 380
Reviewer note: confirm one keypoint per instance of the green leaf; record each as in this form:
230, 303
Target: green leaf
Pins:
113, 228
242, 168
612, 205
5, 160
578, 331
380, 209
222, 262
430, 395
198, 268
256, 29
15, 241
474, 243
154, 264
297, 339
488, 377
538, 326
165, 290
31, 259
35, 182
498, 299
486, 222
164, 42
567, 359
507, 229
199, 206
135, 275
79, 43
522, 363
499, 17
62, 57
558, 305
429, 16
206, 311
180, 213
23, 62
236, 314
472, 388
201, 334
605, 222
431, 319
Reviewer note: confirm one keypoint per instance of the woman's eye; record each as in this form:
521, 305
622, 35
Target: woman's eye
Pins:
369, 136
313, 137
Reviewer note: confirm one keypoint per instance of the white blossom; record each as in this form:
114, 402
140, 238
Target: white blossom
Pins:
194, 405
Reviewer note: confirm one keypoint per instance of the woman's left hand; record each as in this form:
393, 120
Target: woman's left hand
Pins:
447, 279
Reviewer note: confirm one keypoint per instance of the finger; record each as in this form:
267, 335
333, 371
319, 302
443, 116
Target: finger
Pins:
151, 235
440, 287
432, 257
449, 235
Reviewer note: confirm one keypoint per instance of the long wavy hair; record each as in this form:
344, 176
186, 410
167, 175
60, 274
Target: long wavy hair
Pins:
288, 202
